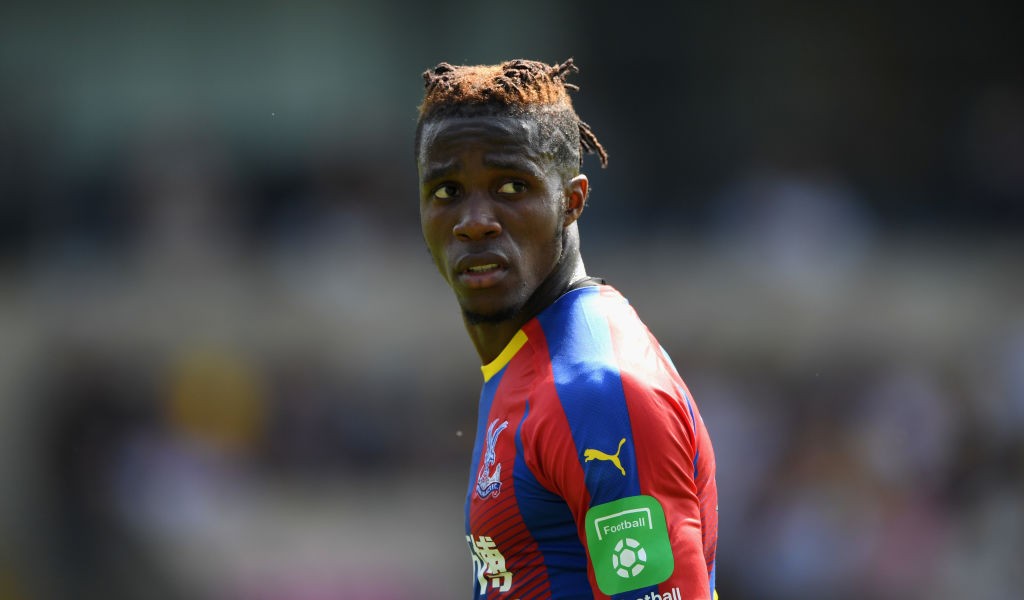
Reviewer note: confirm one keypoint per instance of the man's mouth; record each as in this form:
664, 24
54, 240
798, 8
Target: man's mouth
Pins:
481, 271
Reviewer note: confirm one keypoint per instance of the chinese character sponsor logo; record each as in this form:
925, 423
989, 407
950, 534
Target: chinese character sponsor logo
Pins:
629, 545
488, 484
591, 454
489, 565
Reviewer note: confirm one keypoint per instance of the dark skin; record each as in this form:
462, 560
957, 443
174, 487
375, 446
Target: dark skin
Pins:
500, 220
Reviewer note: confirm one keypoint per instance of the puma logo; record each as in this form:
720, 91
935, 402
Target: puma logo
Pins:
590, 454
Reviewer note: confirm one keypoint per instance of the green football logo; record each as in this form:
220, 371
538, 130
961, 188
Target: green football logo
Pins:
629, 545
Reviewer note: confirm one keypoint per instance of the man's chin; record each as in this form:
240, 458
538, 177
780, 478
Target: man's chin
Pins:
489, 318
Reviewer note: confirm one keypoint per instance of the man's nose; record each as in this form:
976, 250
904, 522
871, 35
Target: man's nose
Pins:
477, 220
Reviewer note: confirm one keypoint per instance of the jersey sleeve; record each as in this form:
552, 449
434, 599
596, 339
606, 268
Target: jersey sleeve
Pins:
633, 461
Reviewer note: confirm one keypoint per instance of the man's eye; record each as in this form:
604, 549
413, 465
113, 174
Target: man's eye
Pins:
446, 191
512, 187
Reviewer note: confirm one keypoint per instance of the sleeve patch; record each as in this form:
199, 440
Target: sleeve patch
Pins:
628, 544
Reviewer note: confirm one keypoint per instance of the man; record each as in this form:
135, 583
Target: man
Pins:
592, 473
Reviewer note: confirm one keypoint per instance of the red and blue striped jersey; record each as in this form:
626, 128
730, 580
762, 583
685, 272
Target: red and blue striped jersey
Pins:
592, 473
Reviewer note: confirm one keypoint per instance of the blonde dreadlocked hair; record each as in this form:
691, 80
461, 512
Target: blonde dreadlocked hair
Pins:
517, 88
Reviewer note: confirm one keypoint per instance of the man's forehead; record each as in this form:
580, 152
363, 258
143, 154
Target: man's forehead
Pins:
514, 134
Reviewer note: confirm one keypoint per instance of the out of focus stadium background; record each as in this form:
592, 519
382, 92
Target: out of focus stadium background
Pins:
229, 371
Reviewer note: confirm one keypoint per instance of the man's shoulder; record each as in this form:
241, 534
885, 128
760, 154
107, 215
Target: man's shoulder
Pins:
589, 336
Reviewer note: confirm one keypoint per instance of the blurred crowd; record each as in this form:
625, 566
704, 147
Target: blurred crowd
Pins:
228, 370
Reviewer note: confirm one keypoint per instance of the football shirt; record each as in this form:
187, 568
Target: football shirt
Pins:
593, 474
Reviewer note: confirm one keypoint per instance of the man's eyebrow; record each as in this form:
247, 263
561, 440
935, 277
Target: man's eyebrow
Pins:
440, 170
511, 162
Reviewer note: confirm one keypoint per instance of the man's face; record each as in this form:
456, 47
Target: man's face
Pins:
491, 209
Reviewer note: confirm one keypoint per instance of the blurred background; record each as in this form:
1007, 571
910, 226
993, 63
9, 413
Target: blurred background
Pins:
229, 371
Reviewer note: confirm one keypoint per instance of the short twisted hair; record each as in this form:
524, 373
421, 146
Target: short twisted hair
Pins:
515, 88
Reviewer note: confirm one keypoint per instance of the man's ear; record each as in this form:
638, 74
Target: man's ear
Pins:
575, 198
